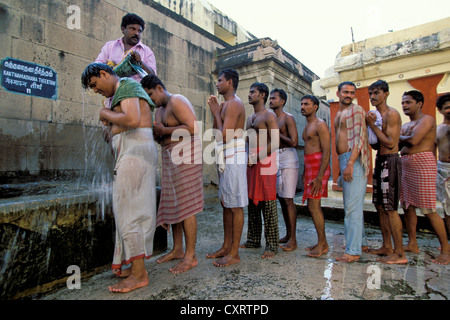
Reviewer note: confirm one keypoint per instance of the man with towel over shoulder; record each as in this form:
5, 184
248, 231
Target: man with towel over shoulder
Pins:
129, 122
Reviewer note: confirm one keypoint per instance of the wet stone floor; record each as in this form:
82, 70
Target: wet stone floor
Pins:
288, 276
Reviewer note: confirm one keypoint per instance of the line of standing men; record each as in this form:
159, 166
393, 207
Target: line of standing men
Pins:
254, 181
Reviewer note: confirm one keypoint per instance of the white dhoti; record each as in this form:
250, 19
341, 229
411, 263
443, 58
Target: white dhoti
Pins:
287, 174
443, 185
134, 195
231, 160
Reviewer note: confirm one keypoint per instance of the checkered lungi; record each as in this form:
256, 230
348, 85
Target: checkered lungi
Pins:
271, 232
419, 180
387, 175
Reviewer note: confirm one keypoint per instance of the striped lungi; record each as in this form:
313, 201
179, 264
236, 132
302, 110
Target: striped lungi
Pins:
312, 168
419, 180
181, 181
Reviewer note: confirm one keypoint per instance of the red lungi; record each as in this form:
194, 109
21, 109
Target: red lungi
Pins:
312, 166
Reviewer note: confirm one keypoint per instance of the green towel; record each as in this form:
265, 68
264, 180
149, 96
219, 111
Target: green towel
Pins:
130, 88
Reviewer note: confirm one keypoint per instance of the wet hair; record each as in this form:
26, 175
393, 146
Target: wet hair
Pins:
381, 85
93, 70
346, 83
261, 87
230, 73
131, 18
281, 93
314, 99
151, 81
442, 100
416, 95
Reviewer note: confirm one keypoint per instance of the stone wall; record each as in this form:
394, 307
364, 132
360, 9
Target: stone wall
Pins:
45, 138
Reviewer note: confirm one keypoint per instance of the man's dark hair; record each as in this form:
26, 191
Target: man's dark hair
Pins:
230, 73
314, 99
346, 83
131, 18
151, 81
281, 93
93, 70
442, 100
416, 95
261, 87
381, 85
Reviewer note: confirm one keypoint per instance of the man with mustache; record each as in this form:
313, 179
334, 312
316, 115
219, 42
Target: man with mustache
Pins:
419, 170
387, 173
316, 136
113, 52
352, 147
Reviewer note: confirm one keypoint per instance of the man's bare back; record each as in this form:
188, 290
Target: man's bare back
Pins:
176, 113
145, 114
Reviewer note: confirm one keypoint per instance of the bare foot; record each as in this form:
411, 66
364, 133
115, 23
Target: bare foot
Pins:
184, 265
411, 248
218, 254
128, 284
347, 258
317, 251
268, 254
310, 247
393, 259
178, 254
289, 246
122, 273
443, 258
382, 251
227, 260
283, 240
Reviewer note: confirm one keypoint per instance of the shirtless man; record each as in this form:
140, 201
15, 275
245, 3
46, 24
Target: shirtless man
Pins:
229, 121
443, 165
387, 173
316, 136
181, 178
263, 136
288, 166
417, 143
129, 122
352, 148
